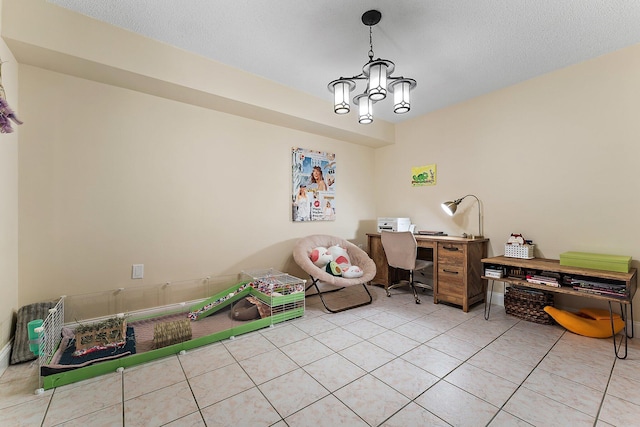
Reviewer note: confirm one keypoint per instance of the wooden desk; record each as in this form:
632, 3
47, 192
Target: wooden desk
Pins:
457, 267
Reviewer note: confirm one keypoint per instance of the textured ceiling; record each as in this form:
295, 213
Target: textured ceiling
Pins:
455, 49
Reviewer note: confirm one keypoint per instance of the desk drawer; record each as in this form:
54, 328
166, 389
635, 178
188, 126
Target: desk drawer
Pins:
448, 271
450, 280
453, 299
450, 288
451, 254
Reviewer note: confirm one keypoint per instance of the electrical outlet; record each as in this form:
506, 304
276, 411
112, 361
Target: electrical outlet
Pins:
137, 271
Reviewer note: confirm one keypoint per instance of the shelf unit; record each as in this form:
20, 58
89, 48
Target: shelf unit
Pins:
553, 265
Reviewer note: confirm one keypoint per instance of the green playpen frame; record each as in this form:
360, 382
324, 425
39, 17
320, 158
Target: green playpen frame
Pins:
282, 292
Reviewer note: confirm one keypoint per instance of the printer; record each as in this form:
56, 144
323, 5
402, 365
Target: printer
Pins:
394, 224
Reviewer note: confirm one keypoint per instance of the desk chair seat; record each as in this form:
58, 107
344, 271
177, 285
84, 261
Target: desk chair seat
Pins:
302, 251
401, 250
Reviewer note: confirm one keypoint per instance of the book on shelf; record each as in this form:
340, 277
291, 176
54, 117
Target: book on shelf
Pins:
543, 280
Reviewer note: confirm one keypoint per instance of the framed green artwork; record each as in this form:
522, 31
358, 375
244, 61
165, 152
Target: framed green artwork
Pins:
423, 175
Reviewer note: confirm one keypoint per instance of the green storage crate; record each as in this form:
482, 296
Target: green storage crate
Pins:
619, 263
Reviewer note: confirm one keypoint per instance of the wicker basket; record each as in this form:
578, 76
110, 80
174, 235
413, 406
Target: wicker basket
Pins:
528, 304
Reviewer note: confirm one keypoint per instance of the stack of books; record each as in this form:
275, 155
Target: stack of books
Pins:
600, 287
495, 273
543, 280
431, 233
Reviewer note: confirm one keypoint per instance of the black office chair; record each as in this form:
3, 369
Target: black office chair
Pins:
401, 250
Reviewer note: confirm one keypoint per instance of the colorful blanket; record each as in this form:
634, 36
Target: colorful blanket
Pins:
64, 360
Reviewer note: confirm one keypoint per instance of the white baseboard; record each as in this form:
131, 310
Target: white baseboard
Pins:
5, 357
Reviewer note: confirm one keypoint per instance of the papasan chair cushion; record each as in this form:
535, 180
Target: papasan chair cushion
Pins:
301, 255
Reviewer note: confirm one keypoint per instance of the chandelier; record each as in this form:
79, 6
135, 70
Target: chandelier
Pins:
377, 73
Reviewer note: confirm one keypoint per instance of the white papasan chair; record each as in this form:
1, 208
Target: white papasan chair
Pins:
301, 255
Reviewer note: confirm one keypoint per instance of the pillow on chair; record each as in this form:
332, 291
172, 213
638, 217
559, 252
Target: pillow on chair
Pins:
340, 256
352, 272
320, 256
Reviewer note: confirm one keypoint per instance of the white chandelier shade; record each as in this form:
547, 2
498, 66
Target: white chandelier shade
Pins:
377, 71
365, 108
341, 94
378, 74
401, 89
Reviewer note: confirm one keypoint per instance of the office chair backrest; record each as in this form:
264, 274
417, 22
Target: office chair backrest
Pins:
401, 249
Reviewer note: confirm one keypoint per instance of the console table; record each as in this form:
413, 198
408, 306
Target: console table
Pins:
553, 265
457, 267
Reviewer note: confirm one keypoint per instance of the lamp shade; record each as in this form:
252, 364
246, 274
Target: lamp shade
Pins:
378, 71
450, 207
401, 89
341, 89
365, 108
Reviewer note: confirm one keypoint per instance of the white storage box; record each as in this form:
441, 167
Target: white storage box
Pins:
519, 251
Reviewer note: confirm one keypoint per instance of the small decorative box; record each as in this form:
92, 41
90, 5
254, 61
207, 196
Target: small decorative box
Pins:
519, 251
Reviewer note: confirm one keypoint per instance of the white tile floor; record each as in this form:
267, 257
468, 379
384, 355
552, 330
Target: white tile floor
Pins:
392, 363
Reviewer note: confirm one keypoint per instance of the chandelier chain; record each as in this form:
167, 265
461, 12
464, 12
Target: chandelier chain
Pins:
370, 45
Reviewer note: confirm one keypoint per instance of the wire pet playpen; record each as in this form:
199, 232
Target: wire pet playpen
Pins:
280, 296
49, 337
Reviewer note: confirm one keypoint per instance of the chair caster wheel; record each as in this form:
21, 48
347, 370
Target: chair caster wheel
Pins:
417, 301
388, 295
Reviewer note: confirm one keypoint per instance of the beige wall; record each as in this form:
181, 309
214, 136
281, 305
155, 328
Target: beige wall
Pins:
111, 177
50, 37
8, 203
554, 158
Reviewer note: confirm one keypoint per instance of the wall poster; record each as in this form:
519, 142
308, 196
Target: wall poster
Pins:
314, 185
423, 175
